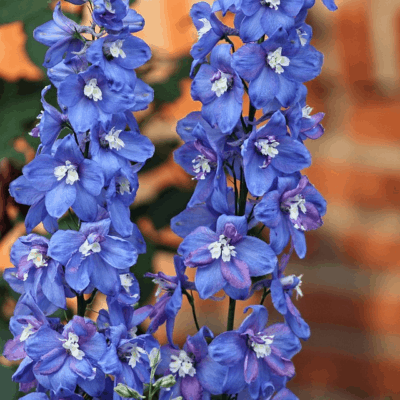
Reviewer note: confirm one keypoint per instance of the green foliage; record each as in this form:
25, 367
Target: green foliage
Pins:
11, 11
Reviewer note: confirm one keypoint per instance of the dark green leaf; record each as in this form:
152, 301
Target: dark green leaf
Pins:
20, 10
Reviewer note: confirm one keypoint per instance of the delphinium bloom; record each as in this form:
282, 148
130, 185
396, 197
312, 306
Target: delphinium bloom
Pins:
262, 353
292, 208
218, 86
197, 375
92, 256
270, 152
226, 259
276, 68
68, 180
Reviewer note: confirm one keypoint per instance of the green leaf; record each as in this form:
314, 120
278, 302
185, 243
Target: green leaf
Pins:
20, 10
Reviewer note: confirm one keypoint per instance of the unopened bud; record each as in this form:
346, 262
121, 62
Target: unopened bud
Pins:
154, 357
127, 392
166, 381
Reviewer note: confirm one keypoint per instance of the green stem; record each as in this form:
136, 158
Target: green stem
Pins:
231, 314
230, 42
265, 294
191, 302
81, 305
243, 194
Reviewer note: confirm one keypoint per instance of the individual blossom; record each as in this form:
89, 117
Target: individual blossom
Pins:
92, 256
117, 56
227, 258
265, 17
282, 289
276, 68
127, 358
201, 156
68, 180
62, 35
262, 353
197, 375
210, 30
25, 192
220, 89
270, 152
64, 360
36, 270
112, 147
110, 13
169, 303
293, 207
89, 98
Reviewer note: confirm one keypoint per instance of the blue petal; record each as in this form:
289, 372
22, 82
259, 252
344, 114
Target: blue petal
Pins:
59, 199
228, 349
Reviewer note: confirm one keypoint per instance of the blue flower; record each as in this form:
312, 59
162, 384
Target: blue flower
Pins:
220, 89
259, 352
37, 270
265, 17
169, 304
60, 36
330, 5
92, 256
270, 152
26, 192
127, 358
226, 259
68, 180
117, 56
197, 375
110, 13
64, 360
89, 98
293, 207
276, 68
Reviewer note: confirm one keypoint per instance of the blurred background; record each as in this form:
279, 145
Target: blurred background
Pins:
351, 280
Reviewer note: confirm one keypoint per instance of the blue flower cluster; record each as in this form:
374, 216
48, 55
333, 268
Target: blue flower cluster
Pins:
248, 177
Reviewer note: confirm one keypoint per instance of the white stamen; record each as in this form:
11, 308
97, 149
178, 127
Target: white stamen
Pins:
222, 247
299, 292
133, 331
206, 27
123, 185
263, 350
267, 147
296, 202
136, 353
201, 165
289, 280
87, 248
302, 36
92, 91
126, 281
182, 364
28, 331
271, 3
221, 85
72, 346
37, 257
68, 169
276, 61
162, 285
116, 49
306, 111
114, 142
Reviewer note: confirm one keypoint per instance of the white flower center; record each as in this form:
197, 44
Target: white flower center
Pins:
276, 61
206, 27
302, 36
306, 111
126, 281
133, 331
271, 3
28, 331
68, 169
201, 167
37, 257
114, 142
162, 286
72, 346
116, 49
267, 147
123, 185
109, 8
221, 85
263, 349
288, 281
292, 205
92, 91
136, 353
222, 247
88, 248
182, 364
